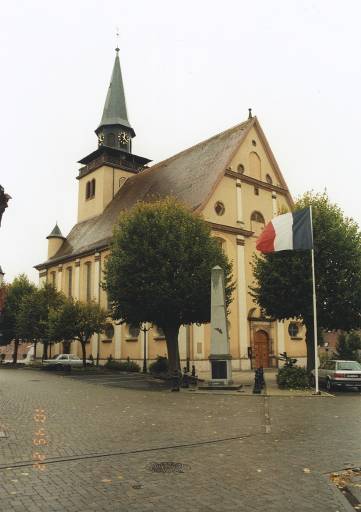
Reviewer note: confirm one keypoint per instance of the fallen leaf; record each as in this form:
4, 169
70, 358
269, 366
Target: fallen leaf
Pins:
306, 470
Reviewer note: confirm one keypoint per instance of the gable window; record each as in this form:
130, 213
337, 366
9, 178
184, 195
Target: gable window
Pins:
269, 179
255, 165
240, 168
87, 190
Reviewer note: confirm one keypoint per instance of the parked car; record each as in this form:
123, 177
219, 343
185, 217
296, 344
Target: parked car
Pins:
66, 360
334, 373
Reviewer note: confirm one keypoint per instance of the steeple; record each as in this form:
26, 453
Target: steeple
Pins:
115, 130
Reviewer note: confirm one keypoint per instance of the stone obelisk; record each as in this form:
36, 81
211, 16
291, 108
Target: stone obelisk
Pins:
220, 357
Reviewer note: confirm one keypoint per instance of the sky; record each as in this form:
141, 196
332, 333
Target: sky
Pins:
191, 69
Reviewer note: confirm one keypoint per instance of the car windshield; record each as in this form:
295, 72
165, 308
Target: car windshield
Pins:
348, 365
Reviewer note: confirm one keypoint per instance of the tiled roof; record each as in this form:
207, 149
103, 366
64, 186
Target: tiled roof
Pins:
191, 176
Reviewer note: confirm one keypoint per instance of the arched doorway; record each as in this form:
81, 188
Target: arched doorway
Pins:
261, 349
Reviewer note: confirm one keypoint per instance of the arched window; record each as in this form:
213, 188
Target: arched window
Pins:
257, 217
257, 223
255, 165
87, 190
269, 179
110, 139
92, 188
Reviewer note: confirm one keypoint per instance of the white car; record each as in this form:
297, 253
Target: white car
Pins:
66, 360
335, 373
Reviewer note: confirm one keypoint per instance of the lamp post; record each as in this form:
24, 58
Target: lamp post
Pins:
144, 330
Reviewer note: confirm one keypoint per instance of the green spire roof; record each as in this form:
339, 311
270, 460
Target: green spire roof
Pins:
56, 233
115, 109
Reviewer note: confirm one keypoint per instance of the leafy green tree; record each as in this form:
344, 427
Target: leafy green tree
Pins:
348, 346
15, 294
159, 269
284, 282
77, 320
33, 316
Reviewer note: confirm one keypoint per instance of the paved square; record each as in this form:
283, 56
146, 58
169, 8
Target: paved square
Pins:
101, 439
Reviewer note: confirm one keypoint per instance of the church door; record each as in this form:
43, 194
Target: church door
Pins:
261, 349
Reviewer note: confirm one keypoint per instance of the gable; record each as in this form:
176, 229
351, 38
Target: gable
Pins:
255, 159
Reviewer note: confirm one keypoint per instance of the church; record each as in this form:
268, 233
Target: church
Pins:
232, 179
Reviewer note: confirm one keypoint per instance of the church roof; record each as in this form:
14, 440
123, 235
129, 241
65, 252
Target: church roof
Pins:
115, 109
191, 176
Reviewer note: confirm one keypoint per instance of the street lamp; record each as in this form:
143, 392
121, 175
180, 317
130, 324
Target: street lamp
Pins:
145, 329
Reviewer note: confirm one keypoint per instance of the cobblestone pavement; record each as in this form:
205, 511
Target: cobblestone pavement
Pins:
102, 441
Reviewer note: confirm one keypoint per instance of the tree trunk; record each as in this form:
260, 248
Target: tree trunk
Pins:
83, 351
171, 337
45, 350
15, 354
310, 344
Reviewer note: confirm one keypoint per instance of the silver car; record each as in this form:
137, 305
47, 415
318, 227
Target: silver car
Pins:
335, 373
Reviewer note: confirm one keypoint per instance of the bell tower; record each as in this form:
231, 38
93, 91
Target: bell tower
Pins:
105, 170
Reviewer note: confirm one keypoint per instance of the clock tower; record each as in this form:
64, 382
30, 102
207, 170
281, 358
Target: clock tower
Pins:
105, 170
115, 130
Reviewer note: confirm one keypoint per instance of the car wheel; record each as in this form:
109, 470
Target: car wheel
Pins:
329, 386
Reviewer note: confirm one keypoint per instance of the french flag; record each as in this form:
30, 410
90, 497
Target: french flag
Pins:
288, 232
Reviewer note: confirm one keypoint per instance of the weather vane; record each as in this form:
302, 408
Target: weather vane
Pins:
117, 36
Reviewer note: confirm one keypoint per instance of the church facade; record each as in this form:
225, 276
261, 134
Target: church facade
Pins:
231, 179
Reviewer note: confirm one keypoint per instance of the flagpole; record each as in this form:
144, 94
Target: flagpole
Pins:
314, 310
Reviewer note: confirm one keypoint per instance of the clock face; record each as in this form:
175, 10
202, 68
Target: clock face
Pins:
123, 138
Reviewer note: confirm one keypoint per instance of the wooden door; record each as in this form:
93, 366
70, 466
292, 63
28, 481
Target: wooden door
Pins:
261, 349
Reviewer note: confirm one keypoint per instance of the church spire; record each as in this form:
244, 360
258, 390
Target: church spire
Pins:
114, 129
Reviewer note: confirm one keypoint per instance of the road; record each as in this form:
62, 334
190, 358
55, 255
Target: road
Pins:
120, 443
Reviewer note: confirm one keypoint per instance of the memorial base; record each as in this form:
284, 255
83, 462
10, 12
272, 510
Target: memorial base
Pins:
221, 370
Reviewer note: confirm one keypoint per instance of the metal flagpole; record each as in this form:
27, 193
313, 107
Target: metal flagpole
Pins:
314, 309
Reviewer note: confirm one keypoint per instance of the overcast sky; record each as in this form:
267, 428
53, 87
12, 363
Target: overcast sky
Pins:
191, 69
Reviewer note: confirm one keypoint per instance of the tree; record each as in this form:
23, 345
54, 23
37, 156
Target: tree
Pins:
77, 320
348, 346
159, 269
284, 282
33, 316
15, 293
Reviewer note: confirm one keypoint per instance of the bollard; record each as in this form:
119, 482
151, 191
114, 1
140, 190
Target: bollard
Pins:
257, 382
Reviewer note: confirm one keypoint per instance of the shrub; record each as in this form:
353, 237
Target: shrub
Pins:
122, 366
293, 377
160, 365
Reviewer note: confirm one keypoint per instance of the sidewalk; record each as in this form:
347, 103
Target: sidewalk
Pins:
246, 380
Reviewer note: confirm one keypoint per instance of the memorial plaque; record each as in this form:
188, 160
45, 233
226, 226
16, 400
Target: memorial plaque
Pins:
219, 369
